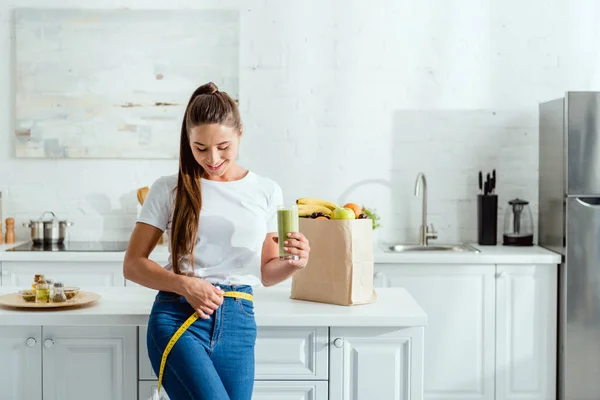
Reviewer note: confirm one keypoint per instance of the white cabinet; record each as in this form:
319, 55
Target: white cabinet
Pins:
376, 363
21, 362
459, 303
82, 274
491, 332
68, 363
526, 332
281, 353
90, 362
291, 363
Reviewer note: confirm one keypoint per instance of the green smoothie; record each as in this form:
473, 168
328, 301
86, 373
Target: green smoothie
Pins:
287, 222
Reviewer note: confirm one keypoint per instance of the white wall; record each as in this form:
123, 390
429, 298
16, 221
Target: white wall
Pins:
348, 101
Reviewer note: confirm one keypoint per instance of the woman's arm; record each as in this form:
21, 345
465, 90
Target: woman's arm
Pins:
273, 270
138, 268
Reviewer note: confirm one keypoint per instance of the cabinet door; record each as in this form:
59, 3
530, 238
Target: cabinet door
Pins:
376, 363
82, 274
92, 363
526, 332
21, 362
460, 333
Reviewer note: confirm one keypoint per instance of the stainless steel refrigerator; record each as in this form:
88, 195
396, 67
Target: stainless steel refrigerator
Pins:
569, 223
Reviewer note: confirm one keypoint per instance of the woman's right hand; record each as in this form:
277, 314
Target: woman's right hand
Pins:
203, 296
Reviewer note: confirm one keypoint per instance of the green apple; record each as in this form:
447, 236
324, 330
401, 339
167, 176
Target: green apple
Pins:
343, 213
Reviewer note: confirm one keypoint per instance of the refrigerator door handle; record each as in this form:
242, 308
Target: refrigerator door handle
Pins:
589, 201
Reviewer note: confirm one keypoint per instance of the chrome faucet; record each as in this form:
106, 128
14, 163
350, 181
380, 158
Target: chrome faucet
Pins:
424, 233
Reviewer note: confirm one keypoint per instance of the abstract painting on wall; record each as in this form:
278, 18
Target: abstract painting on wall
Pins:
115, 83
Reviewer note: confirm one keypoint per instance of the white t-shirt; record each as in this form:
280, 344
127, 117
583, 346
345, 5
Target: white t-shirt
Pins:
234, 221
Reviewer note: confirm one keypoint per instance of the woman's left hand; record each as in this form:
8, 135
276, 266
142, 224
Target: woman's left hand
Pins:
297, 244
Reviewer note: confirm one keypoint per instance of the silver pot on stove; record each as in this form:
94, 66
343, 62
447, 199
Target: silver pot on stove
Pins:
48, 231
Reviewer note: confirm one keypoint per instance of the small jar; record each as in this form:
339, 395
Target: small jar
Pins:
50, 283
36, 278
59, 293
42, 291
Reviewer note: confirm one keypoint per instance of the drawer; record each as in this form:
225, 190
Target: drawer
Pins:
263, 390
281, 354
292, 353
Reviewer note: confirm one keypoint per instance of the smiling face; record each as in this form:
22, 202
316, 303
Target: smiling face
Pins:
215, 148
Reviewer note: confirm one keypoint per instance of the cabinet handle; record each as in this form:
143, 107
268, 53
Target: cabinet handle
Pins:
48, 343
30, 342
379, 275
339, 343
501, 274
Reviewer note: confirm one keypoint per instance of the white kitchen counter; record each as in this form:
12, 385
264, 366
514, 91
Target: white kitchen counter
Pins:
488, 255
395, 307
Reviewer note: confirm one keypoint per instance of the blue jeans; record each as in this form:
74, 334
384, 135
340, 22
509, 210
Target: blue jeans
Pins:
214, 358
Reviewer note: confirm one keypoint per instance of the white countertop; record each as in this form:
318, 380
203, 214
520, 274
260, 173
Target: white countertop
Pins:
395, 307
488, 255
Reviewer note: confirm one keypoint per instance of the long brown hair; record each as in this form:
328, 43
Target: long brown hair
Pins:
207, 105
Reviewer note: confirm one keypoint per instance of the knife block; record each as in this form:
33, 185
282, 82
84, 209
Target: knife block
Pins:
487, 219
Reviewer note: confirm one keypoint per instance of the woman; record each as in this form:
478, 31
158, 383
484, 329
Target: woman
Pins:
222, 226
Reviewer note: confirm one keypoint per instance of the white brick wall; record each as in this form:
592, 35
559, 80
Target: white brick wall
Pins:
350, 100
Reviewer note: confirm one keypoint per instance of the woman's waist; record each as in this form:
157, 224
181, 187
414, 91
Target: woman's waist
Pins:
166, 295
218, 276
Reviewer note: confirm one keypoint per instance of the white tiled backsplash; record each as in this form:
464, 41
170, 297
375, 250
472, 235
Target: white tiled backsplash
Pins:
348, 101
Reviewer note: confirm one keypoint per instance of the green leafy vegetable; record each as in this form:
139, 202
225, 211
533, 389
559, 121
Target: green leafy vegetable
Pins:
371, 213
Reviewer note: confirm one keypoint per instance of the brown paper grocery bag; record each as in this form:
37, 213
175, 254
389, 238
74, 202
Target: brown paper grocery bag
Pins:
340, 266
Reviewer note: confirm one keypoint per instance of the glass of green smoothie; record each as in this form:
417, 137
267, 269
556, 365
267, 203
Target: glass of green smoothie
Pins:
287, 222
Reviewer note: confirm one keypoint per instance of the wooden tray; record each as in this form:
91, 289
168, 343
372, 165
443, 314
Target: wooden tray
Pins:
15, 300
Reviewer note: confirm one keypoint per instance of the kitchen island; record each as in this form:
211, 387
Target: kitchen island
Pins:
304, 350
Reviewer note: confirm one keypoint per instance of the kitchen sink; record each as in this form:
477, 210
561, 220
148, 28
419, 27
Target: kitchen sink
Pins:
405, 248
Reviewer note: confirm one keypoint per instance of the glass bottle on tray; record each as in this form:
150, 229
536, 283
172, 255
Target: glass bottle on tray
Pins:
36, 278
50, 283
42, 291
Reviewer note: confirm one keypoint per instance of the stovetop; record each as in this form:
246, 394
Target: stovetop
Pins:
73, 246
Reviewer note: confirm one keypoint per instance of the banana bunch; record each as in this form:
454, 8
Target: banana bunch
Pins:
306, 210
308, 206
310, 201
